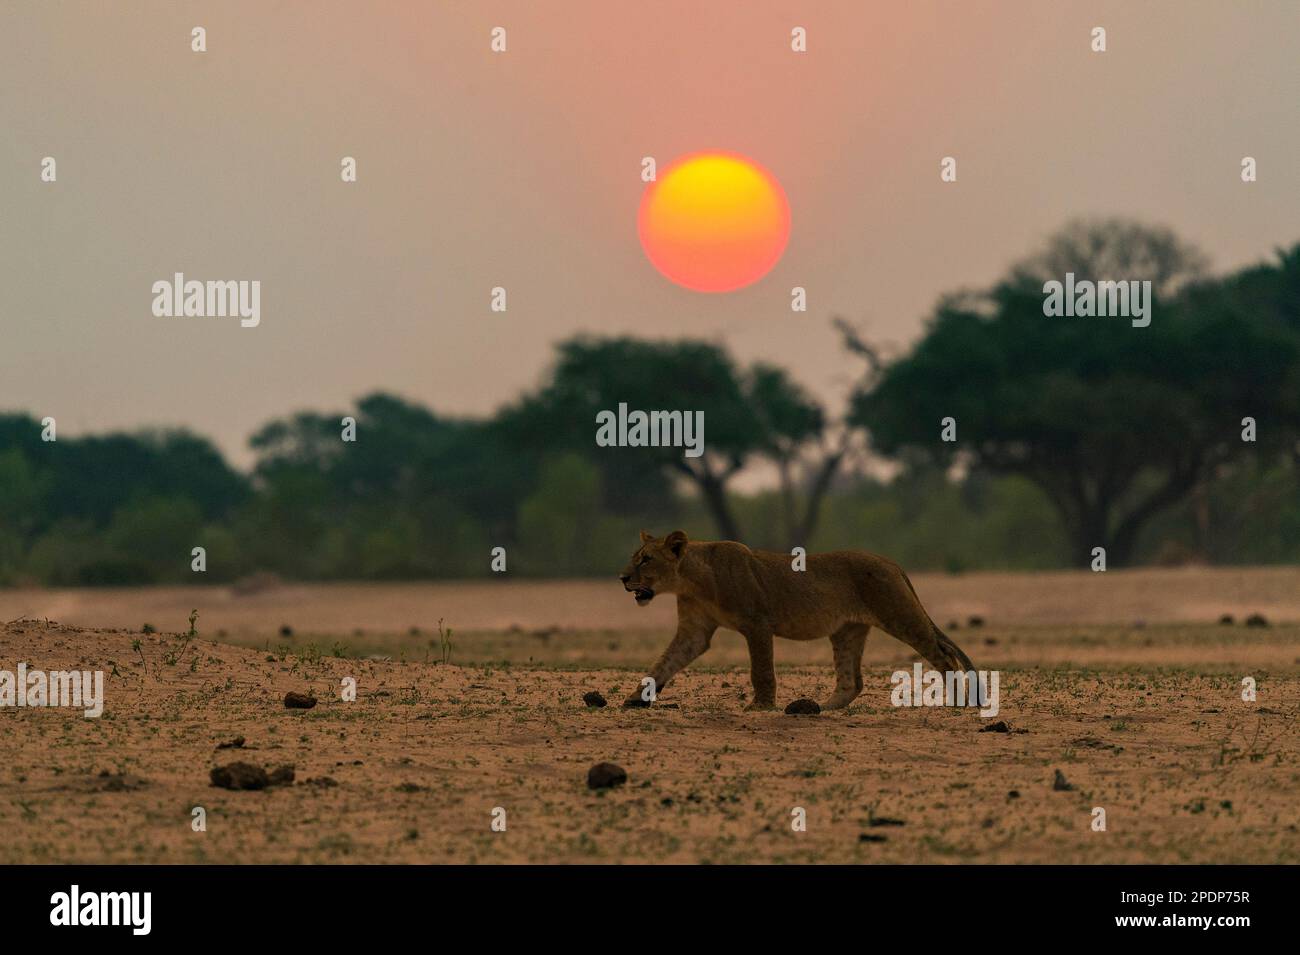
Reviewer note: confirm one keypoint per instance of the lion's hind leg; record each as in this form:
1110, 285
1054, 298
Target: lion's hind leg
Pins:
847, 643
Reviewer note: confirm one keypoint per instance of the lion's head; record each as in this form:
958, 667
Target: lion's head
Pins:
653, 568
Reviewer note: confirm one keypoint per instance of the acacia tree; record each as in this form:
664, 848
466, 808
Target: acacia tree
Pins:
1113, 423
758, 411
809, 450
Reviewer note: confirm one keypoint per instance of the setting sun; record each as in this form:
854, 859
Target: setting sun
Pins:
714, 222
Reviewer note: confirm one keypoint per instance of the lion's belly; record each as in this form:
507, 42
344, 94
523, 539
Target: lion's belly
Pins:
811, 622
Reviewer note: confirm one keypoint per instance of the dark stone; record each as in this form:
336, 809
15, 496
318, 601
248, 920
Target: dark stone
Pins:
281, 776
803, 707
299, 701
1060, 783
606, 776
240, 776
593, 699
999, 727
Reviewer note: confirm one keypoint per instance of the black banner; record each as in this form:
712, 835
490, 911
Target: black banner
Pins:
581, 905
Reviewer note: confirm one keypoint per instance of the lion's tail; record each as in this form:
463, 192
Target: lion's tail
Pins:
952, 656
951, 650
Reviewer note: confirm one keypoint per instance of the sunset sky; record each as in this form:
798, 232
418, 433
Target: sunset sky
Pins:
522, 170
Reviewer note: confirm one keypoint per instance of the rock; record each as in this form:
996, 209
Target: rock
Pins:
1257, 620
281, 776
871, 837
1060, 784
1227, 620
118, 782
298, 701
876, 821
286, 631
236, 743
975, 621
803, 707
1014, 794
593, 699
240, 776
606, 776
999, 727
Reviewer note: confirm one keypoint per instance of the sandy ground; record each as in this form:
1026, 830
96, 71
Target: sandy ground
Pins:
1145, 722
1190, 595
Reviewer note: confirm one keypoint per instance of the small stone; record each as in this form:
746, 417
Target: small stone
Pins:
803, 707
1227, 620
239, 776
606, 776
999, 727
593, 699
1060, 783
299, 701
281, 776
1257, 620
975, 621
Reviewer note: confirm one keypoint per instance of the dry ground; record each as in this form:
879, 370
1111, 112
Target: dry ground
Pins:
1146, 722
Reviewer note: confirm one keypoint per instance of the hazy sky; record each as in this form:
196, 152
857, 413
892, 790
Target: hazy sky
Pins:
522, 170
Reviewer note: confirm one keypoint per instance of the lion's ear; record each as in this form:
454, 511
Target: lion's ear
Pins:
646, 537
675, 542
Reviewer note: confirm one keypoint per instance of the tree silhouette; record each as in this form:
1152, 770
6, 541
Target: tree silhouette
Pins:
1114, 423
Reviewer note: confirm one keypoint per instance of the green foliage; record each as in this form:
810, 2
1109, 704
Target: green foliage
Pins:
1114, 423
1072, 433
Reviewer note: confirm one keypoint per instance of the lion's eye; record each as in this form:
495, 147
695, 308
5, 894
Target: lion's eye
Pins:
645, 558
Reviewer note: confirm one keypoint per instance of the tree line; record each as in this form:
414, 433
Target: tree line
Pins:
1003, 439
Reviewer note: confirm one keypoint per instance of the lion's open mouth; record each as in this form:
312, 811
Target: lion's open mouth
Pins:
643, 596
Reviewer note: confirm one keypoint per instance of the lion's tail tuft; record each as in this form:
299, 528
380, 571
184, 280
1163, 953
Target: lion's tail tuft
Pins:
956, 658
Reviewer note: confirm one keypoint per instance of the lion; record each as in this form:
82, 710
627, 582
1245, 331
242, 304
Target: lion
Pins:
840, 595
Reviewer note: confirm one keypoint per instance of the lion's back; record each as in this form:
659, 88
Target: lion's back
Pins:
835, 586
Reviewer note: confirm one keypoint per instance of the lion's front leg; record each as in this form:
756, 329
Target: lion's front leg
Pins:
762, 671
694, 634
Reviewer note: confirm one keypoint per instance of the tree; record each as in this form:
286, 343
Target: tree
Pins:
758, 411
1114, 423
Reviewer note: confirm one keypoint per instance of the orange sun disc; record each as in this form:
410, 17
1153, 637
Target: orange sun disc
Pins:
714, 222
